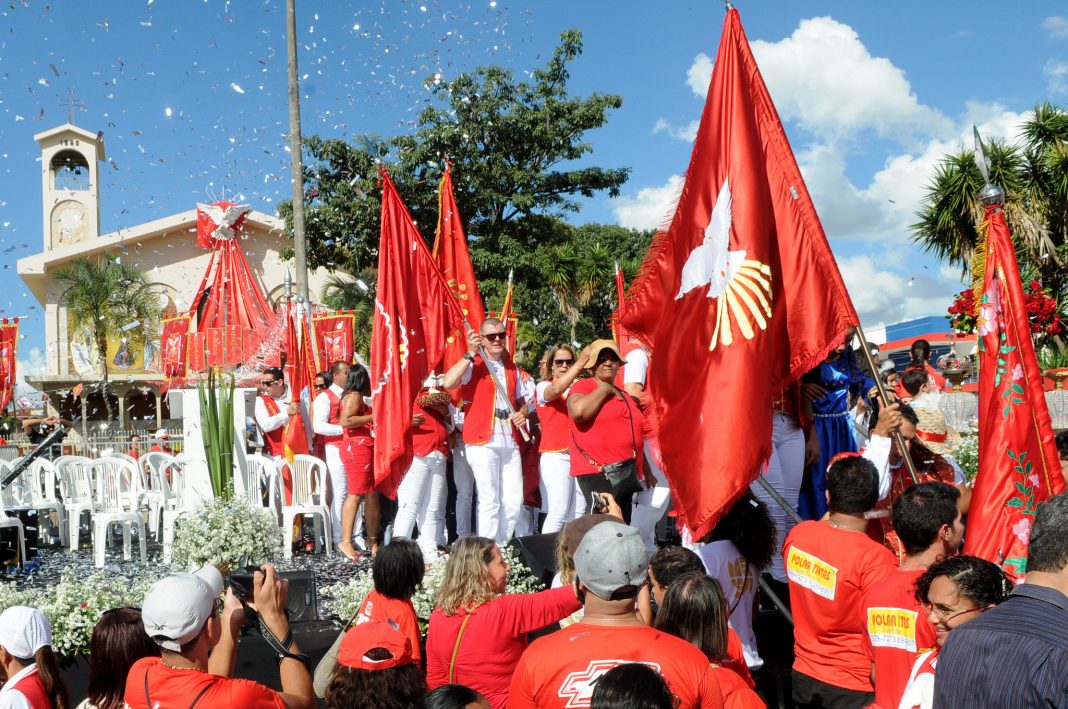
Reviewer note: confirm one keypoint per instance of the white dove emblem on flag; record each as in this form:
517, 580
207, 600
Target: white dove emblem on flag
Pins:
741, 286
224, 219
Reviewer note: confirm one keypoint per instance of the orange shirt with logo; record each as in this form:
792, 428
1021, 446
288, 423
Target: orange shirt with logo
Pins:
384, 609
559, 671
829, 571
897, 631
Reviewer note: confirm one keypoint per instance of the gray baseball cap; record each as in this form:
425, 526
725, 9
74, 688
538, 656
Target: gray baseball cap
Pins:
610, 557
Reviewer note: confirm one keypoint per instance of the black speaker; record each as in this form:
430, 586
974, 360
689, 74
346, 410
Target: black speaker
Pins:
538, 552
301, 601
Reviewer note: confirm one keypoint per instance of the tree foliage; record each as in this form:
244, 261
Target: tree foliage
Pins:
102, 296
520, 162
1034, 176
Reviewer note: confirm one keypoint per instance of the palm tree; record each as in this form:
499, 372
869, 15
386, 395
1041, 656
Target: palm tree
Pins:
575, 277
347, 293
1034, 175
105, 296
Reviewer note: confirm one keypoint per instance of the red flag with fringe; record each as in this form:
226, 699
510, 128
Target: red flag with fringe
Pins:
300, 367
333, 336
450, 252
414, 312
1019, 467
9, 344
173, 346
738, 297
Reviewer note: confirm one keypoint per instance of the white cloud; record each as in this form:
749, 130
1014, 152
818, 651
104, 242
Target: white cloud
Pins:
824, 78
1056, 72
687, 132
33, 364
649, 207
1056, 26
882, 296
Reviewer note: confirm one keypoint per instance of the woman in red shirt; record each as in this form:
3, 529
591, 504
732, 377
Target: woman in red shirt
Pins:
607, 429
477, 634
357, 454
563, 501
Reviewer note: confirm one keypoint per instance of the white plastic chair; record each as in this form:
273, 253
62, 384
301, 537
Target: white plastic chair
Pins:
79, 493
175, 510
41, 480
309, 498
6, 521
135, 487
111, 495
253, 487
153, 468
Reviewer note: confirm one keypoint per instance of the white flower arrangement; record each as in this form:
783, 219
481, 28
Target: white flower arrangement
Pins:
348, 596
967, 456
227, 533
75, 604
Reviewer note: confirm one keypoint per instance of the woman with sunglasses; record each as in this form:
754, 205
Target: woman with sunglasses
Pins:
952, 592
563, 501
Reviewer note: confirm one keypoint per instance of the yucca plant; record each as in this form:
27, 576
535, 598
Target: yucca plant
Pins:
217, 427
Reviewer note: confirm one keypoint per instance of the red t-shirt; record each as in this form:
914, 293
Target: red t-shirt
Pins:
383, 608
736, 693
493, 640
431, 435
176, 689
736, 658
558, 671
897, 630
829, 571
615, 433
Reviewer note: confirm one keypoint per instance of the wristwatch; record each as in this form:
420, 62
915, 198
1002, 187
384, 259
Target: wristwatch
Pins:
469, 357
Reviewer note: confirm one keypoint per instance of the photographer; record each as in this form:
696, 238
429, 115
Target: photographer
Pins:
38, 428
198, 646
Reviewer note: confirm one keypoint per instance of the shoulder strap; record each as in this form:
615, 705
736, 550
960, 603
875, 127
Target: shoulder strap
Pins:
455, 649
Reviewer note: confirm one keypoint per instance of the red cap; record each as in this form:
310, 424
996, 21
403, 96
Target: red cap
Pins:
363, 638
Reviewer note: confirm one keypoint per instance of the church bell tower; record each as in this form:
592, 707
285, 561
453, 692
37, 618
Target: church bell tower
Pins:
70, 184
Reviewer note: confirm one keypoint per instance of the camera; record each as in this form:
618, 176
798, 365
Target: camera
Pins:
598, 504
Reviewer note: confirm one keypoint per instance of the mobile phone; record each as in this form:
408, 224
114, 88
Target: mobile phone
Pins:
598, 505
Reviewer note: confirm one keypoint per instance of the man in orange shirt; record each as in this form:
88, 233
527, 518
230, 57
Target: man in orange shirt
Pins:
559, 671
830, 564
928, 523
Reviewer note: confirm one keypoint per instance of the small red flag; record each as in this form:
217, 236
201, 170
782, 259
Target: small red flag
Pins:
1019, 468
451, 254
414, 311
738, 297
9, 344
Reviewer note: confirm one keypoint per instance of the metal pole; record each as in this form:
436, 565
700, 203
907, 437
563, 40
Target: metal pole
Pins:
779, 499
300, 249
774, 598
901, 445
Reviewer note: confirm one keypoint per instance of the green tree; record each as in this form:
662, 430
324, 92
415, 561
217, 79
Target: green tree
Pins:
102, 296
1034, 176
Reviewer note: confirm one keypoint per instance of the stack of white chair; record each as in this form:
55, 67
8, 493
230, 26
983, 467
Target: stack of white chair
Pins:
114, 494
41, 478
79, 492
175, 505
309, 498
153, 467
5, 520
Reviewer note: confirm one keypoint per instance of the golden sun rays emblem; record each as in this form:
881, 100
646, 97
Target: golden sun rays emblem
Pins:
741, 286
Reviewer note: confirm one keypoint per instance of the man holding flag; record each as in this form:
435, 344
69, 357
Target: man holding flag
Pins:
272, 410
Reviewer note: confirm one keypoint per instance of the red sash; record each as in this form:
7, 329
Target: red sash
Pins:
480, 401
33, 689
273, 440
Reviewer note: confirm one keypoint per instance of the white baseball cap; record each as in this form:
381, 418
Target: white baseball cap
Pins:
177, 607
24, 631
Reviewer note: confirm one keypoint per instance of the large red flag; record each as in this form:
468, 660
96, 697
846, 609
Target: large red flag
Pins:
414, 311
9, 344
1019, 467
738, 297
301, 369
451, 254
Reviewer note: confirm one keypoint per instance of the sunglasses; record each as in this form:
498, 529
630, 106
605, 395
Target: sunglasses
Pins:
560, 362
494, 336
268, 382
320, 386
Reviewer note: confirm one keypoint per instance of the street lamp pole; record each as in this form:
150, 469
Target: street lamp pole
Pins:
296, 155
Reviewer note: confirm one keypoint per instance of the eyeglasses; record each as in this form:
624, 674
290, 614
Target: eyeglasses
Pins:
268, 382
320, 386
946, 616
494, 336
561, 362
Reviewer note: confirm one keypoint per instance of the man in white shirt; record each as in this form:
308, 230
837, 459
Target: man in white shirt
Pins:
272, 411
490, 429
326, 423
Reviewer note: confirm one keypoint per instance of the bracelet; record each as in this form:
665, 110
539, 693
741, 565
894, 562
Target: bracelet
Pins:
469, 357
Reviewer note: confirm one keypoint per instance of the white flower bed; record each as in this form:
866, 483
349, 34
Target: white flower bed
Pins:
226, 533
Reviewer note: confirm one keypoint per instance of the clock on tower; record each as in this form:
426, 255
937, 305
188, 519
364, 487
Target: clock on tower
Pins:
70, 200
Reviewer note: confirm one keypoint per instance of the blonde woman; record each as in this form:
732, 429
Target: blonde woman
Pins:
477, 633
563, 501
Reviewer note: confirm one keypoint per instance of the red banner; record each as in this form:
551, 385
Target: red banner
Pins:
414, 310
206, 347
9, 344
1019, 467
333, 338
452, 256
738, 297
173, 346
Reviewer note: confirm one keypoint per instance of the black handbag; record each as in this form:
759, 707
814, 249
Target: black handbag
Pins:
621, 475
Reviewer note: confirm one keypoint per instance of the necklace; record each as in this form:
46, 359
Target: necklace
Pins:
839, 525
172, 667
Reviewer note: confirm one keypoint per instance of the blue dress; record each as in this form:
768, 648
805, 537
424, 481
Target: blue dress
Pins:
841, 378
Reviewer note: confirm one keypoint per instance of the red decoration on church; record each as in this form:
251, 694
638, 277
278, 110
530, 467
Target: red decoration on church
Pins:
9, 343
333, 338
173, 346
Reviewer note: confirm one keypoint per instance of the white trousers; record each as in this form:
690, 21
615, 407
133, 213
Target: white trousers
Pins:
560, 493
785, 468
498, 475
464, 480
651, 504
339, 487
421, 502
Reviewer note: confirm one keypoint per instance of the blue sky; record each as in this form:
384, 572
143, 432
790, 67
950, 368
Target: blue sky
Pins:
191, 96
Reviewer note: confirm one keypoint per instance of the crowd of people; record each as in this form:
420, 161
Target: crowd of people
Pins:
871, 582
